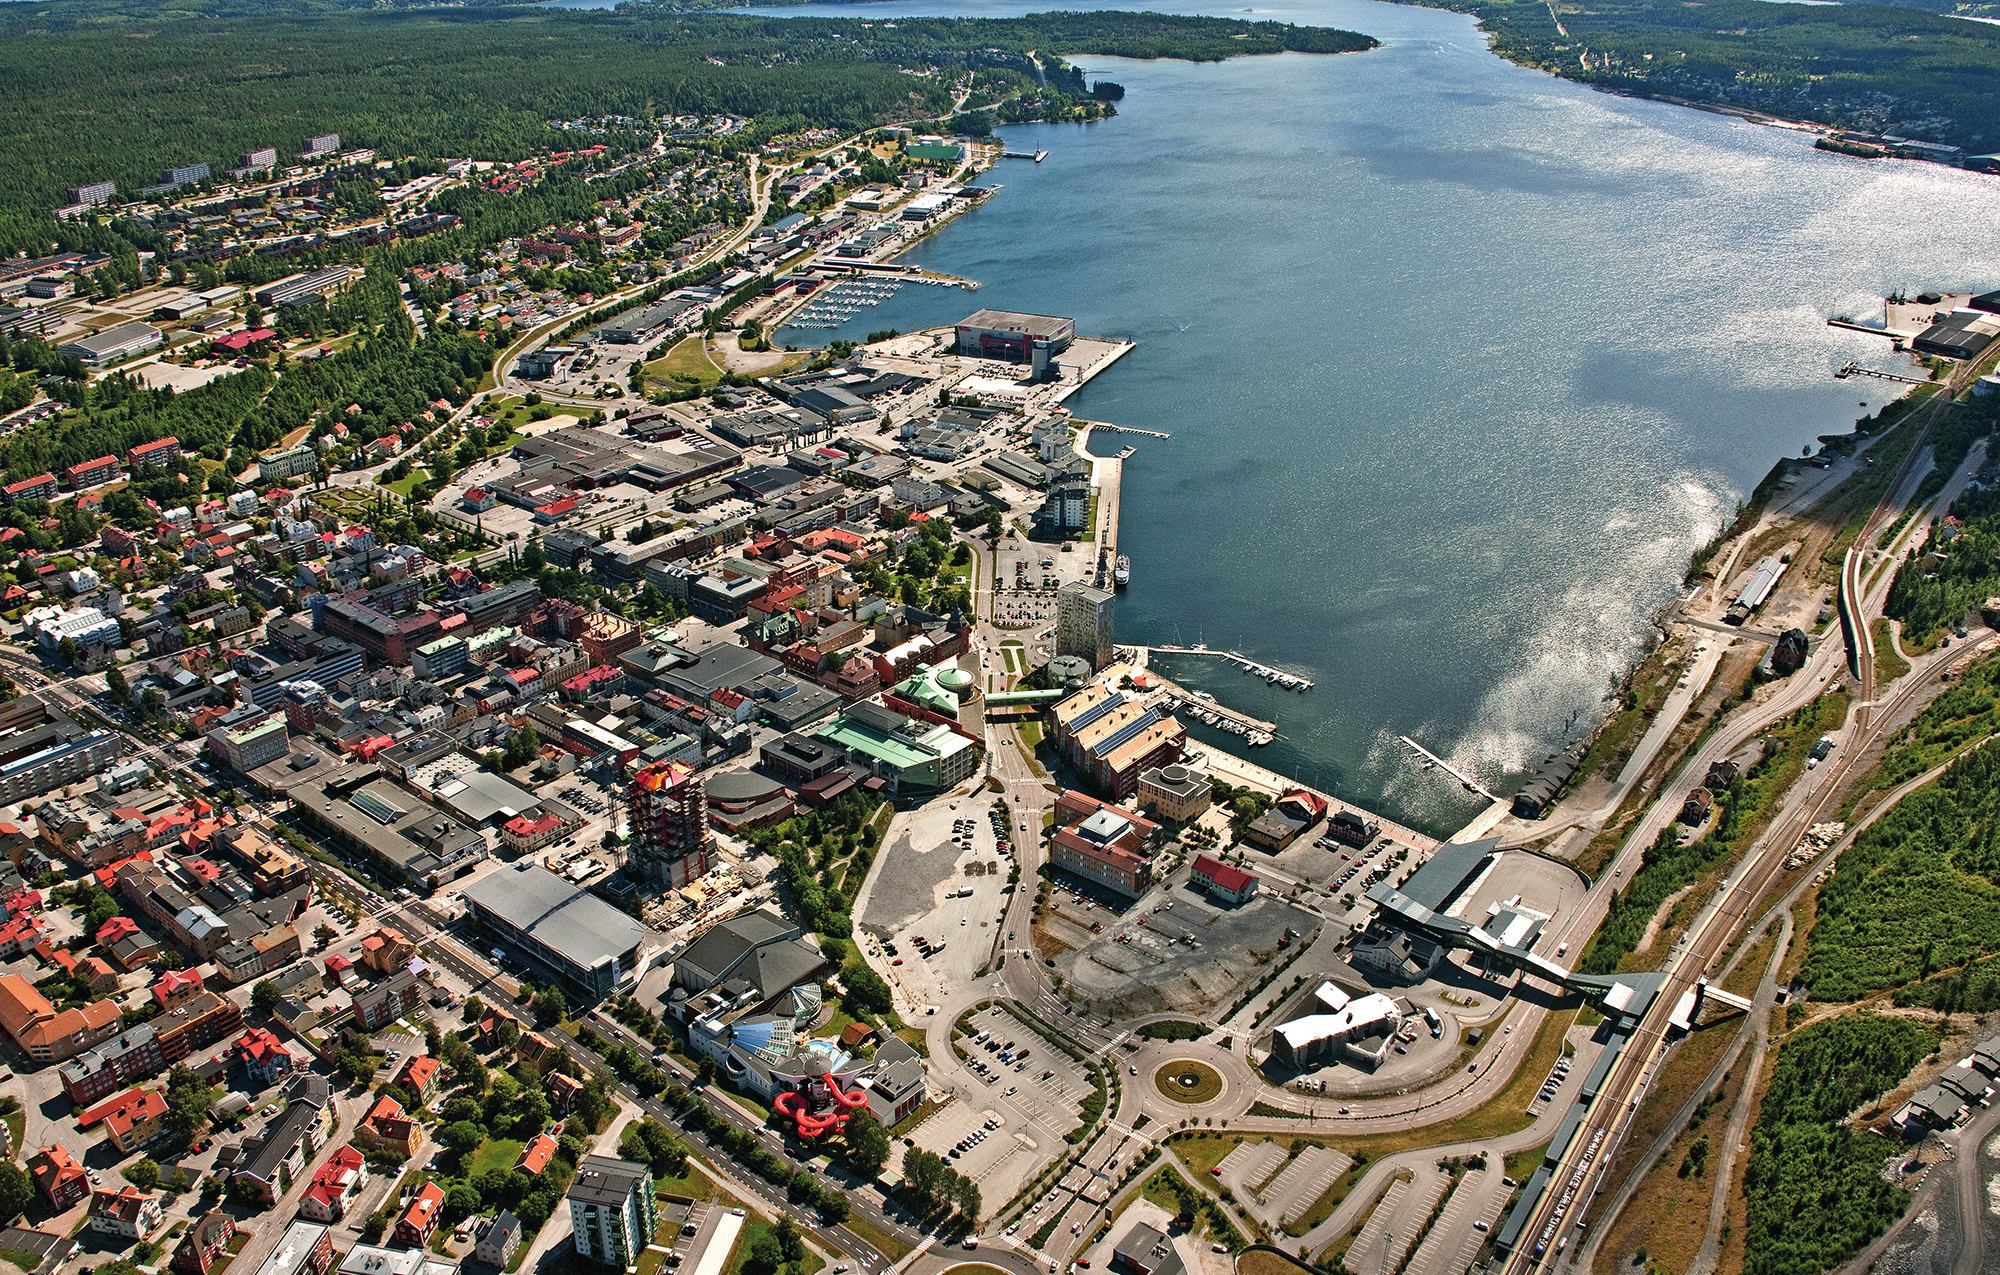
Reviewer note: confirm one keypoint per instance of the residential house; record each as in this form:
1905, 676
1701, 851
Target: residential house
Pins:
420, 1220
205, 1242
57, 1175
127, 1212
536, 1155
536, 1050
264, 1057
498, 1241
421, 1074
130, 1120
387, 952
376, 1006
386, 1126
334, 1186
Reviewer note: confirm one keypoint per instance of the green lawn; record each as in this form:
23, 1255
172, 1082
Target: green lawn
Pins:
741, 1252
888, 1245
494, 1153
689, 358
692, 1183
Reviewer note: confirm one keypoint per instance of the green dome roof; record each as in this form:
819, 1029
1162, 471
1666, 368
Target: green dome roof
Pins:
956, 679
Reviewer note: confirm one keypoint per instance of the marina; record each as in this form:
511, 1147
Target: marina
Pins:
1202, 706
832, 307
1272, 676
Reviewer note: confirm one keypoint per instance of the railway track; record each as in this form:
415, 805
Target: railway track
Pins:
1582, 1166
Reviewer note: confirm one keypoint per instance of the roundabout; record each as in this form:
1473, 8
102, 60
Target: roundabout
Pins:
1185, 1080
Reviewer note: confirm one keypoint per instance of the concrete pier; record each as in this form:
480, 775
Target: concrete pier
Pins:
1104, 353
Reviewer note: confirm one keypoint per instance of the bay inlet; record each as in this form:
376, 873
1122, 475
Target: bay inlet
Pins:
1460, 361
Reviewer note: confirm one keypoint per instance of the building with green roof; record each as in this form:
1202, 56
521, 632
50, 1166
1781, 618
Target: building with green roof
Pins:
910, 757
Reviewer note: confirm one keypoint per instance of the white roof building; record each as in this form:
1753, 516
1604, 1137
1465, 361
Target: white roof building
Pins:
1345, 1023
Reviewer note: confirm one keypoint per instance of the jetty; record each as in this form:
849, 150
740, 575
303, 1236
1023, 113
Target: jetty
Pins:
1273, 676
1205, 709
1130, 429
1037, 156
1855, 369
1432, 759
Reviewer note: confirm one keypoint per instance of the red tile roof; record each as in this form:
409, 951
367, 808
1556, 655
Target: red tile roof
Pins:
1226, 876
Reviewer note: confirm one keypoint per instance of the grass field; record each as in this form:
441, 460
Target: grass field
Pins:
1888, 664
692, 1183
1262, 1262
1205, 1082
891, 1248
740, 1254
689, 358
494, 1153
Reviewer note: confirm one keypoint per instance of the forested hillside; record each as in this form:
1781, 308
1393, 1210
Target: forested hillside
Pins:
1917, 893
1815, 1188
1862, 66
102, 90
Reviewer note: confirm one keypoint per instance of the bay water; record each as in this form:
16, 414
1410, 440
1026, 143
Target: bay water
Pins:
1460, 361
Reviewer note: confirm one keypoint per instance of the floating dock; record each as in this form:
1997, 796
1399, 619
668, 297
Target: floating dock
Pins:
1272, 676
1130, 429
1037, 156
1192, 704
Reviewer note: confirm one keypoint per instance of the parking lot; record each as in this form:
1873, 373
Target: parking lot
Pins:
1172, 950
1009, 1116
943, 879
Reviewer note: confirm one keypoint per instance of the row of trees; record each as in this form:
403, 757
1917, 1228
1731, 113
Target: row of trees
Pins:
747, 1150
932, 1185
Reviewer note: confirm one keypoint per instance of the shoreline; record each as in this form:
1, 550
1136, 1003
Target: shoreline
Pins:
1749, 115
1661, 619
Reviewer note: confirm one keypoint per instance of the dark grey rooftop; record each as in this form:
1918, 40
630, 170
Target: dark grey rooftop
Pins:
583, 929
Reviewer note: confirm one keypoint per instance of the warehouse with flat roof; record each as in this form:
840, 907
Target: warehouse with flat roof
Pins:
589, 944
114, 344
1022, 338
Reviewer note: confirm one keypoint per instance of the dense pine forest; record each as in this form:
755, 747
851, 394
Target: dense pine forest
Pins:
1868, 67
101, 90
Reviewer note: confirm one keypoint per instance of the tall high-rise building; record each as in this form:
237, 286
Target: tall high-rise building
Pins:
669, 810
612, 1210
1083, 623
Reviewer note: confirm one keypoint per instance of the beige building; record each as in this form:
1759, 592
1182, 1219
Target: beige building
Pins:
1175, 793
